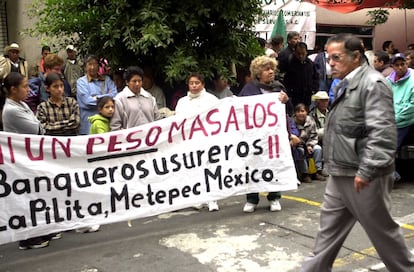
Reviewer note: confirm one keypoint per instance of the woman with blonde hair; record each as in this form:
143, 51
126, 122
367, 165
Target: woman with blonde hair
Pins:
263, 72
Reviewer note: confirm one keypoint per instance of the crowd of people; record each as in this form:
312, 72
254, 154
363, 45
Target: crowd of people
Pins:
66, 98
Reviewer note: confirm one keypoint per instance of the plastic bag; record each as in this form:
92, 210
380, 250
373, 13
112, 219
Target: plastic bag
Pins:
311, 166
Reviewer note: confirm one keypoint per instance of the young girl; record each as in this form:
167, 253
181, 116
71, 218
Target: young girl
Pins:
309, 145
100, 124
59, 115
100, 121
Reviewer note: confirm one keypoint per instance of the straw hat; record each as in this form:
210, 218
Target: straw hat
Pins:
13, 46
320, 95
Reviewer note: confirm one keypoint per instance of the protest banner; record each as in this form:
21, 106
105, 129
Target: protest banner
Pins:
50, 184
299, 16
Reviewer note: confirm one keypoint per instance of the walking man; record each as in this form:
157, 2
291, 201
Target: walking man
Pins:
359, 149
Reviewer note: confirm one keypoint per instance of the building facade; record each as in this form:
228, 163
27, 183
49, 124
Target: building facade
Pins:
399, 28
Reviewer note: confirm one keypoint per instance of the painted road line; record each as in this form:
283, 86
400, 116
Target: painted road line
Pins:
380, 266
402, 221
362, 254
405, 220
355, 257
302, 200
406, 226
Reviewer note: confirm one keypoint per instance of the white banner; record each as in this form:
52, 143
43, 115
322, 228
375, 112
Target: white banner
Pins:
299, 16
50, 184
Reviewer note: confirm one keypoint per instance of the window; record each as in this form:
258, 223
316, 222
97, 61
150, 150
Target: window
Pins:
3, 25
324, 32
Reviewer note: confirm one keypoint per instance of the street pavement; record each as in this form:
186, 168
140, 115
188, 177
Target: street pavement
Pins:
227, 240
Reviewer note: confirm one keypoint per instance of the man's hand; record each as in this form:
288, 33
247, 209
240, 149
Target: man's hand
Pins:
360, 184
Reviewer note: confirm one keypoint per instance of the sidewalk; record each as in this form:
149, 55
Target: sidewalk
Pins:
227, 240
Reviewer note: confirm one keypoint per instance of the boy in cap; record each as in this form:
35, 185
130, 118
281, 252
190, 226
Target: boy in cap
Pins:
402, 84
72, 69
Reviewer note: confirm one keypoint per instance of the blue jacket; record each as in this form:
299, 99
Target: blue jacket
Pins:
87, 94
38, 92
320, 65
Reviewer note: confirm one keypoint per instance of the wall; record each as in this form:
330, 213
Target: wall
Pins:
395, 29
17, 21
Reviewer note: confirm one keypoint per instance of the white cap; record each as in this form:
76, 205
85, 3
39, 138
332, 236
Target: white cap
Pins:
70, 47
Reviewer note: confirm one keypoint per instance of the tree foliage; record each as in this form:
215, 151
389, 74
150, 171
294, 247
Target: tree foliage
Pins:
175, 37
407, 4
380, 16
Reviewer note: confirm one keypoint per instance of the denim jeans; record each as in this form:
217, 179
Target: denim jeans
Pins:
254, 197
402, 133
301, 158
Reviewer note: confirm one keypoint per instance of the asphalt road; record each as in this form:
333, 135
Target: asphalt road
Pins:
227, 240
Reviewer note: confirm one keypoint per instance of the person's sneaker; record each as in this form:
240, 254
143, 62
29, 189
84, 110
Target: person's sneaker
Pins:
323, 173
93, 228
55, 236
198, 207
213, 206
319, 177
33, 243
249, 207
306, 179
275, 206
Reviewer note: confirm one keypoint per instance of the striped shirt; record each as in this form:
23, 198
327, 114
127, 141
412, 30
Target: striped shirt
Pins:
60, 120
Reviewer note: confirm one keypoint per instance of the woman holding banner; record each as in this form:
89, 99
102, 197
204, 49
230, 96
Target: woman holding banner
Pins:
196, 101
19, 118
263, 71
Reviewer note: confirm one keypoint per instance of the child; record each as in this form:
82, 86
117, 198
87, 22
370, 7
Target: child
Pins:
100, 124
59, 115
100, 121
309, 145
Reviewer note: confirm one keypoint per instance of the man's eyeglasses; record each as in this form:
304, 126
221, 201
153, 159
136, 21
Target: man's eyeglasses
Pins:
334, 58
